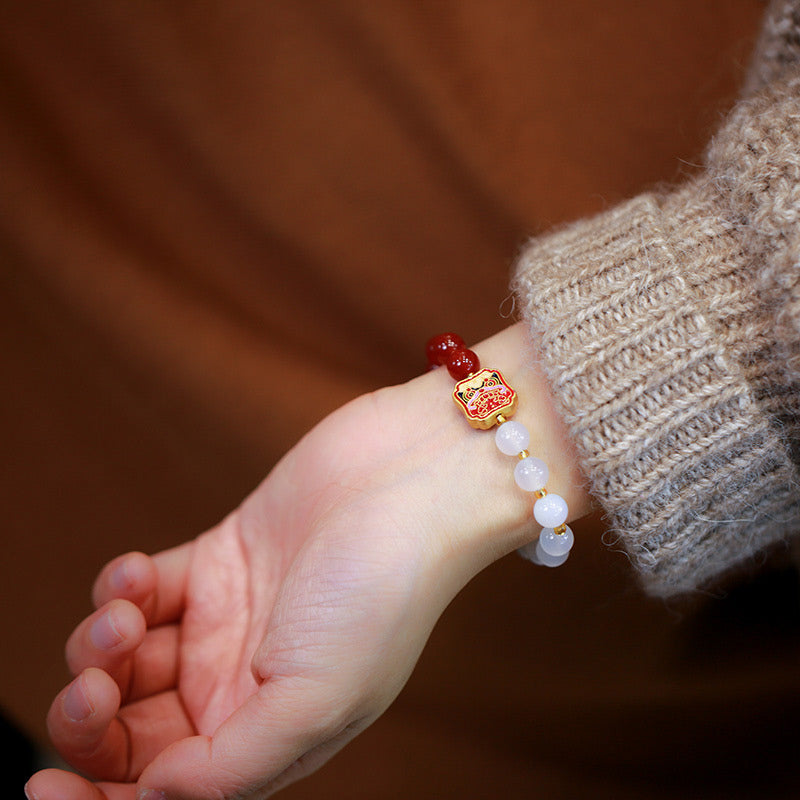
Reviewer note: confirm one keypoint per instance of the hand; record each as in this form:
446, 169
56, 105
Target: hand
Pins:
243, 660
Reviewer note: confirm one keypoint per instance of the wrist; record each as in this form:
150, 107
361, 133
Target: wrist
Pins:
476, 511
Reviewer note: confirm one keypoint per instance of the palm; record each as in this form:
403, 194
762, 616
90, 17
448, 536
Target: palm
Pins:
300, 616
283, 578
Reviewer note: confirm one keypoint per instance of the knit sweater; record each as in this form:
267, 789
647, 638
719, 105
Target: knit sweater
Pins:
669, 329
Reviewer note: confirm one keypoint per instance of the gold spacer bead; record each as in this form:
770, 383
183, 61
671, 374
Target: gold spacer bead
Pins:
523, 454
560, 530
500, 419
540, 493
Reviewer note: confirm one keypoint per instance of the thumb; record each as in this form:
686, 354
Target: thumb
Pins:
285, 731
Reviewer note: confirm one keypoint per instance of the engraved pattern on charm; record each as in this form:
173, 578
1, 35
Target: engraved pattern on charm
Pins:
483, 397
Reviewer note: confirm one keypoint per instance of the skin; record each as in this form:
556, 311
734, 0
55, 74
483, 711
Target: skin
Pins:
244, 659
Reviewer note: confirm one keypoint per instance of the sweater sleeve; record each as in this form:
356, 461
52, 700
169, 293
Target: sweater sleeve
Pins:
668, 332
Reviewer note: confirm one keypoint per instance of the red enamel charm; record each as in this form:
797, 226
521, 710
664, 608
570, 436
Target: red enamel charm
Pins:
483, 397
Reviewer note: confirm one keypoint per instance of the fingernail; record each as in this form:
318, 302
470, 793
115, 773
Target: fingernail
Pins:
121, 577
29, 793
76, 704
150, 794
104, 634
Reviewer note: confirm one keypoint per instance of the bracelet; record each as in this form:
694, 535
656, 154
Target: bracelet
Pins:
486, 400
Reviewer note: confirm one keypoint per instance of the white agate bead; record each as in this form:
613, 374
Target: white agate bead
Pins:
528, 552
550, 511
531, 474
547, 560
556, 544
512, 438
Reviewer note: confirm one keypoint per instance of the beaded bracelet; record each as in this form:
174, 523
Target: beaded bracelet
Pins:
486, 400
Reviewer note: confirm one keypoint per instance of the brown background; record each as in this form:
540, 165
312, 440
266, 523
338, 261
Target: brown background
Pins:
195, 195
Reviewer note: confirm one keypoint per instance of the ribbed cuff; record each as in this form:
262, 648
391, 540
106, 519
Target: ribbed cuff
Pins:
648, 325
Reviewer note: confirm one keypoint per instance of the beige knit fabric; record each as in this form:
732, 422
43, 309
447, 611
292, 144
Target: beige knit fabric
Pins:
669, 329
778, 46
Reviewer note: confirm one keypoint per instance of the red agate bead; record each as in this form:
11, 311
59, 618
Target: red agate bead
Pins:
462, 363
439, 347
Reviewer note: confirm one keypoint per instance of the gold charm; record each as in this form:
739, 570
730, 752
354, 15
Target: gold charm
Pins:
483, 397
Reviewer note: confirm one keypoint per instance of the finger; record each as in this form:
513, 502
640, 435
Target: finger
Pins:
92, 733
132, 576
141, 662
155, 664
55, 784
287, 729
79, 719
107, 638
156, 584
